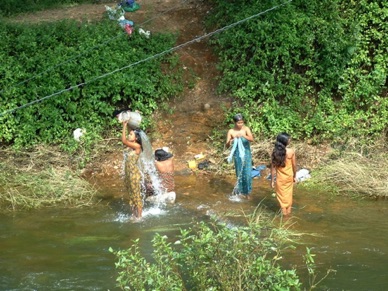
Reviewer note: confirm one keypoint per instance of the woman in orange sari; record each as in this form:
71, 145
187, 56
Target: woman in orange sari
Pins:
283, 166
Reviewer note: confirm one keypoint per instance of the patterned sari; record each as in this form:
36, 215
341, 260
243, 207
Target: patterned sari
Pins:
132, 179
168, 181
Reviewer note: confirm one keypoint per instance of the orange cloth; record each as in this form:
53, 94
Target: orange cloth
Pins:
285, 184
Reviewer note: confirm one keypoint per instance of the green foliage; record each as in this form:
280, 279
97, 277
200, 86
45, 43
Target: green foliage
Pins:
311, 268
12, 7
316, 69
46, 59
209, 257
81, 150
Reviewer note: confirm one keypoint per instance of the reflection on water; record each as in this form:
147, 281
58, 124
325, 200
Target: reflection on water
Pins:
67, 249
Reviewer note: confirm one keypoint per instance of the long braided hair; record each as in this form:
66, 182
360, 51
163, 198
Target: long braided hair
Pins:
279, 151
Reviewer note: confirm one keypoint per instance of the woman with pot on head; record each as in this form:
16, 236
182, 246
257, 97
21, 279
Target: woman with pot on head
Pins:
165, 165
240, 136
283, 166
132, 171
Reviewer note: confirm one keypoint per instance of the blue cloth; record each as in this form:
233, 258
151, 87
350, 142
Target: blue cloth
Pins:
256, 171
130, 2
237, 145
242, 157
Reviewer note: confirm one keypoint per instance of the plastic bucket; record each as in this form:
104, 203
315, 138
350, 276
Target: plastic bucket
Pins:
133, 118
192, 164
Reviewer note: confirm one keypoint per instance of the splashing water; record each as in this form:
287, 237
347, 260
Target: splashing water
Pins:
149, 173
235, 198
147, 165
153, 211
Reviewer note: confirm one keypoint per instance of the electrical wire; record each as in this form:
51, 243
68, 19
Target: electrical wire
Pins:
147, 59
88, 50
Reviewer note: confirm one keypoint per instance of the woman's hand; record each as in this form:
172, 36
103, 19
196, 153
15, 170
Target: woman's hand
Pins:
272, 184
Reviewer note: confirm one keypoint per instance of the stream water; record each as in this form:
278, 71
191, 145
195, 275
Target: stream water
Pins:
67, 249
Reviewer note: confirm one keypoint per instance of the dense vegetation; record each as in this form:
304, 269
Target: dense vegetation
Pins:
214, 257
81, 72
317, 69
12, 7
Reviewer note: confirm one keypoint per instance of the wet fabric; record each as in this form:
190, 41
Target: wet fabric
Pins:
285, 184
237, 146
242, 158
167, 181
256, 171
132, 179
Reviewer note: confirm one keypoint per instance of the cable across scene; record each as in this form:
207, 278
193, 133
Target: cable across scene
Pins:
88, 50
148, 58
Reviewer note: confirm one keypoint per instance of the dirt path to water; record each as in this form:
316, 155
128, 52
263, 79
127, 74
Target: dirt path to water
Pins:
194, 114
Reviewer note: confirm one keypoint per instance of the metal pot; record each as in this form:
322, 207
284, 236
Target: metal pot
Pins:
133, 118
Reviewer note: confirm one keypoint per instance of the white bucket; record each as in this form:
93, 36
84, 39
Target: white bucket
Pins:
133, 118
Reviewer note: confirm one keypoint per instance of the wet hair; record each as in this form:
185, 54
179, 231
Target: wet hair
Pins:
238, 117
161, 155
138, 137
279, 151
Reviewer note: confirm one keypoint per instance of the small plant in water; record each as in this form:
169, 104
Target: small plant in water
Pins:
311, 268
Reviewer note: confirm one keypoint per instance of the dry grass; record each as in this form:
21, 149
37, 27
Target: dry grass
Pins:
348, 169
355, 174
39, 178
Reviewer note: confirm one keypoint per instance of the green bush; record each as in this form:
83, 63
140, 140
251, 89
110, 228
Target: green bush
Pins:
53, 59
316, 69
209, 257
12, 7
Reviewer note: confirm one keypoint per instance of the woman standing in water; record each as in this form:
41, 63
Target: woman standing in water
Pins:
132, 172
240, 137
283, 165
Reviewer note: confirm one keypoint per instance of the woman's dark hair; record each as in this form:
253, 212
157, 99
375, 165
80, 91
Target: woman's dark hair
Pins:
279, 151
138, 137
238, 117
161, 155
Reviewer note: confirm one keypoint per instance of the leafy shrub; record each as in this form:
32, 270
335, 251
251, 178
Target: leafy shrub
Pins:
83, 80
316, 69
12, 7
209, 257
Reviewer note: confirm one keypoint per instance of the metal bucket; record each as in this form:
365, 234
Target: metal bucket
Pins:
133, 118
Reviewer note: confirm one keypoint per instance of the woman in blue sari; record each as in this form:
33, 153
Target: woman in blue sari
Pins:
240, 137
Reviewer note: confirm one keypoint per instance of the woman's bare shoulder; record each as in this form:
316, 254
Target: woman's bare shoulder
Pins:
246, 128
290, 152
231, 131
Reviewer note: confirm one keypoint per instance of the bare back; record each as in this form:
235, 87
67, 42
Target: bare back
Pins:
166, 166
